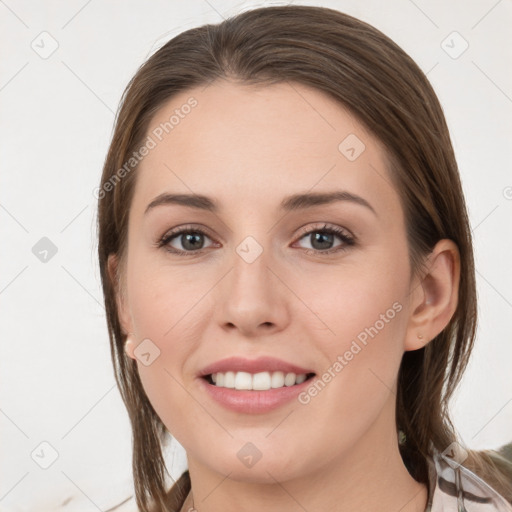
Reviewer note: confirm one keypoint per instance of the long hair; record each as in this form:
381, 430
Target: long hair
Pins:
387, 92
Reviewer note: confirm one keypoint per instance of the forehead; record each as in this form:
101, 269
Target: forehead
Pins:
255, 144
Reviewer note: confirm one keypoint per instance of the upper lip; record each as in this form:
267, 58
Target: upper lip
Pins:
261, 364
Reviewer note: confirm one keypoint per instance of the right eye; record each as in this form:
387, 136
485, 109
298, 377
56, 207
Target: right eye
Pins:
190, 239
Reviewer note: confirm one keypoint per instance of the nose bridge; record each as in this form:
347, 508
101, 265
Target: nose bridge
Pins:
250, 279
251, 296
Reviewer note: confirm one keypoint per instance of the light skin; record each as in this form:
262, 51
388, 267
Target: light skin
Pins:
248, 148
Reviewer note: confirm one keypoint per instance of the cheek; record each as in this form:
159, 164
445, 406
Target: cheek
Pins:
163, 383
169, 310
163, 299
362, 299
362, 314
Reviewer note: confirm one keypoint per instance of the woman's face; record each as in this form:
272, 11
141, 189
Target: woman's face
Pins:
266, 277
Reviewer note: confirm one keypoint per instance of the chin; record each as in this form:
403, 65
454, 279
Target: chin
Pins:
261, 472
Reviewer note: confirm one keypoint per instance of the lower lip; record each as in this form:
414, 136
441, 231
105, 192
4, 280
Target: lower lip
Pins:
253, 402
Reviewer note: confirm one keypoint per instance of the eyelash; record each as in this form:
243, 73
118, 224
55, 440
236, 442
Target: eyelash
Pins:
342, 234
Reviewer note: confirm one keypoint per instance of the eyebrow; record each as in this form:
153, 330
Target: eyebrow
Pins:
291, 203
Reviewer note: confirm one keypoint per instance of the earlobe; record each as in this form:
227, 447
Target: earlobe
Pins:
435, 295
129, 345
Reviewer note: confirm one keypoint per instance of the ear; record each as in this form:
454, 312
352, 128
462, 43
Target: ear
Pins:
434, 295
122, 309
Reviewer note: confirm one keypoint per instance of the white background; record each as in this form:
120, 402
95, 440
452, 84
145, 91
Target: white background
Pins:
55, 126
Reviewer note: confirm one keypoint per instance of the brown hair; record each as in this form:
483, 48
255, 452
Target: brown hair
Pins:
369, 74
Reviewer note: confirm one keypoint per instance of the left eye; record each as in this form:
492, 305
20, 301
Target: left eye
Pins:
322, 239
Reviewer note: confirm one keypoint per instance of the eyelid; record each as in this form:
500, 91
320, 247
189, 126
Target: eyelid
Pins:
321, 226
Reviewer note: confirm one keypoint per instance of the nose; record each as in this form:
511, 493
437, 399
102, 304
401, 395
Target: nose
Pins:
253, 298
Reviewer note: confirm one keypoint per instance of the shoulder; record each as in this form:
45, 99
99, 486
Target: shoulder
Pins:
454, 487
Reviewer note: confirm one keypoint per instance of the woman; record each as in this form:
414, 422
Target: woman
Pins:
288, 273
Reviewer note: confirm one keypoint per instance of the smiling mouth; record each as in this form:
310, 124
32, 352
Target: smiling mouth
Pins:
262, 381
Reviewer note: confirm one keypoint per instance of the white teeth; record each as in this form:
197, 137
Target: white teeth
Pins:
258, 382
229, 380
261, 381
277, 379
243, 380
289, 380
300, 378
